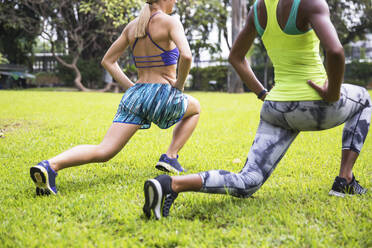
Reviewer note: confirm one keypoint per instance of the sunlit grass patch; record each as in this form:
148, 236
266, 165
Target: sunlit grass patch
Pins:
101, 204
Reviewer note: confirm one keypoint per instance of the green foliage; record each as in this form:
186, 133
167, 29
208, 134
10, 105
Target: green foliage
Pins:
86, 28
198, 18
119, 12
42, 46
352, 18
16, 40
3, 60
259, 71
201, 78
100, 205
358, 73
91, 72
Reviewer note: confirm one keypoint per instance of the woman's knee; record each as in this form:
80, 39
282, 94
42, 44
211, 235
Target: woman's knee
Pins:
251, 185
252, 179
104, 154
357, 93
247, 184
193, 107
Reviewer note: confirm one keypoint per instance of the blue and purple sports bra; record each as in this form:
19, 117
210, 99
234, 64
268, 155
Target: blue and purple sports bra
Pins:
167, 57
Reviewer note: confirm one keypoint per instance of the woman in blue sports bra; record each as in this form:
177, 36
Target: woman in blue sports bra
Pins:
158, 43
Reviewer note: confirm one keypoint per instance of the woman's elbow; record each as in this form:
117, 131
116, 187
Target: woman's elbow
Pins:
233, 59
186, 57
104, 63
107, 63
337, 51
230, 58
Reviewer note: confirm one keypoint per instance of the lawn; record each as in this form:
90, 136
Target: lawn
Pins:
100, 205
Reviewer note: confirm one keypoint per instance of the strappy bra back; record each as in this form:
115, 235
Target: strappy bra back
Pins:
166, 57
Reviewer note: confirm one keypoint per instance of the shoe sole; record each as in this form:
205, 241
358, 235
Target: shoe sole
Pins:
40, 177
339, 194
166, 167
153, 198
336, 193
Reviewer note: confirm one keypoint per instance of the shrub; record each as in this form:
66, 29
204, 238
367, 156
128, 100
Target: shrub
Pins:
91, 73
202, 78
46, 79
358, 73
3, 60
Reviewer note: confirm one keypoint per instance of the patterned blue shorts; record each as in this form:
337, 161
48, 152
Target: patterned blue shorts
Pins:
144, 103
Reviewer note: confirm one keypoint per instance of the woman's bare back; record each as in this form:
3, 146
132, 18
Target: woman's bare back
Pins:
159, 29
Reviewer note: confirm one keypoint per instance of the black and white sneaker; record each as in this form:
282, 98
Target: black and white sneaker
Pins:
341, 188
168, 201
159, 196
153, 198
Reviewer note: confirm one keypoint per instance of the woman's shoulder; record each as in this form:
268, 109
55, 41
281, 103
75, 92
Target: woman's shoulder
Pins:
131, 24
167, 20
130, 27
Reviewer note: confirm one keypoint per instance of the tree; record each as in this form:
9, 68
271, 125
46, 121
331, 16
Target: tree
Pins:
352, 18
81, 28
222, 23
199, 17
66, 28
239, 13
15, 42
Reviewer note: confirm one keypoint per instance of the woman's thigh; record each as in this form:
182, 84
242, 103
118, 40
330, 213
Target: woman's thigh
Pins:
317, 115
117, 137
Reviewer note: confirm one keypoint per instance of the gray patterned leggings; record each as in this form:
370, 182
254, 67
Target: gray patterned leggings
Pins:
280, 124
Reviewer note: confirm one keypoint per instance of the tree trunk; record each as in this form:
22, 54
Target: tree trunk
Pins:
77, 79
239, 12
74, 67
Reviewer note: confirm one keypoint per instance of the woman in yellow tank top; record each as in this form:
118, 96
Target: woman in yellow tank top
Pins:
306, 97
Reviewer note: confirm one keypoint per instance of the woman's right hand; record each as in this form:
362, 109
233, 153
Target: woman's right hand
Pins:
325, 92
173, 83
178, 86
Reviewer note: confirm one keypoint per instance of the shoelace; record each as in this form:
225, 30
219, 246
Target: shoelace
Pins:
168, 201
357, 187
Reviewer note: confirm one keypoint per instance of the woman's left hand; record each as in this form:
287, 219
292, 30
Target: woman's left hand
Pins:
264, 96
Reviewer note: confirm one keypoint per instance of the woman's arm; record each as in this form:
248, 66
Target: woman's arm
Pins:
109, 61
237, 58
177, 35
318, 15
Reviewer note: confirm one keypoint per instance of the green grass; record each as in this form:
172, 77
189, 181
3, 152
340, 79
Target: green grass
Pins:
100, 205
59, 89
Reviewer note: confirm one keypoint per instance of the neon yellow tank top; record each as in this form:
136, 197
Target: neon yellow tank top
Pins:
295, 59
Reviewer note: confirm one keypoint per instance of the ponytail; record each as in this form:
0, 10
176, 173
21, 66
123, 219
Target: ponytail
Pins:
143, 20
